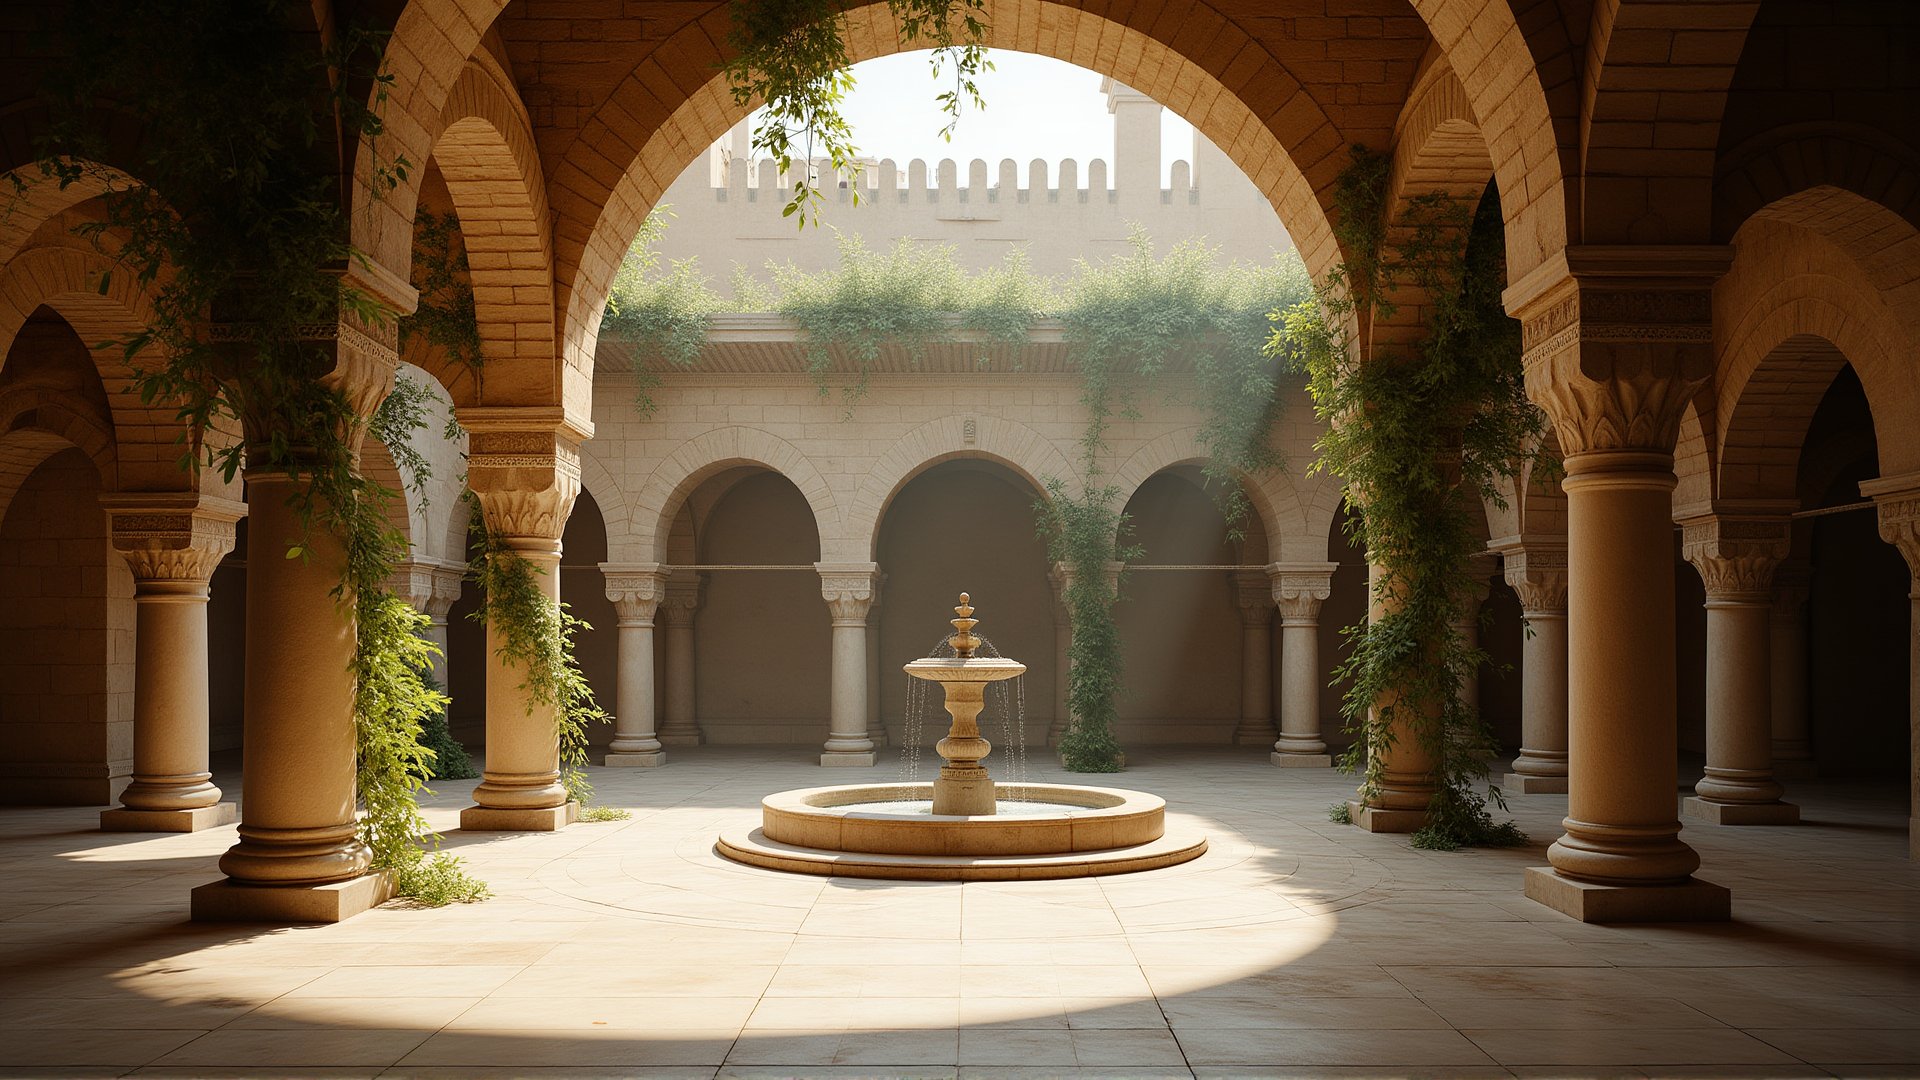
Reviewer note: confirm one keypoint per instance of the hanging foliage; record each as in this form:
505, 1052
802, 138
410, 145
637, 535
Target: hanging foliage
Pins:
253, 238
1417, 431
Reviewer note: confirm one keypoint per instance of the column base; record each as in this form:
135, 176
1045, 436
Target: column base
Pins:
647, 760
227, 900
848, 759
1692, 900
1300, 761
1254, 736
1381, 820
121, 819
543, 819
680, 740
1719, 813
1521, 784
1795, 769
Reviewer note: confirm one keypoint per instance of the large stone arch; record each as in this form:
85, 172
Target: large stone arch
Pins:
486, 155
650, 517
37, 426
604, 483
1270, 493
1031, 455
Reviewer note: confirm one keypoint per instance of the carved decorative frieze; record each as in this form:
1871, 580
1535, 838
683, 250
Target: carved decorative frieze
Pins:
525, 472
1736, 556
431, 587
1538, 573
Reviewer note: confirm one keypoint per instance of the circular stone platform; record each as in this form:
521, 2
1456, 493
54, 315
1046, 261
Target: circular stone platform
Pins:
825, 831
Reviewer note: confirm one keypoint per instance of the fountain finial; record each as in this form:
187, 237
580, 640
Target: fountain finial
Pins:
963, 641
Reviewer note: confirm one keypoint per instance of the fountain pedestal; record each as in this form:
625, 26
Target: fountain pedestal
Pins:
963, 787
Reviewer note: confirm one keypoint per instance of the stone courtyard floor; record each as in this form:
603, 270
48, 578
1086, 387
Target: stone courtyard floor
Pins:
1294, 947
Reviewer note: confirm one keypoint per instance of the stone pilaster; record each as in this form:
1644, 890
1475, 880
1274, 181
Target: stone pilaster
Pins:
1253, 594
876, 727
636, 592
1297, 590
1792, 753
1537, 572
1899, 507
523, 466
172, 544
678, 725
1058, 576
1617, 340
849, 590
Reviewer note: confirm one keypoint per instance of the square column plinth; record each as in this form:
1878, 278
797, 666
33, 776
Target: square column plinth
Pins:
1720, 813
542, 819
194, 820
229, 901
651, 759
1522, 784
1692, 900
1381, 820
1300, 761
855, 760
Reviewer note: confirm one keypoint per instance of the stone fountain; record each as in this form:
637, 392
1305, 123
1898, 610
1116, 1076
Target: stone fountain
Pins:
956, 829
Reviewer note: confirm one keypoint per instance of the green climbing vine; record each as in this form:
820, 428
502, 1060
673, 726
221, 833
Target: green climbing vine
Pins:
1417, 431
536, 635
791, 56
251, 241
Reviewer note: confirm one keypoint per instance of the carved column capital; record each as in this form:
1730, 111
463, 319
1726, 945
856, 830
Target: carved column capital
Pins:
636, 590
432, 587
1299, 588
1736, 554
849, 590
680, 600
1617, 339
172, 537
1253, 594
523, 465
1898, 499
1538, 573
366, 354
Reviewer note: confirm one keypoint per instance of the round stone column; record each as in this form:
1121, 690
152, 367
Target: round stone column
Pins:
432, 587
1254, 596
524, 468
876, 727
1059, 577
848, 591
1298, 590
298, 856
636, 596
1736, 559
678, 725
172, 545
1406, 784
1538, 573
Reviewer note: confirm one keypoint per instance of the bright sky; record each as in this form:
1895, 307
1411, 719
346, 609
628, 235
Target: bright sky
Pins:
1037, 107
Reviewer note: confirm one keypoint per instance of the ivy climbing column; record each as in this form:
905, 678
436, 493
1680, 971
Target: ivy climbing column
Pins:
848, 589
636, 592
299, 856
172, 543
1537, 572
524, 468
1899, 506
1254, 595
1298, 589
1405, 770
1479, 569
1736, 557
678, 725
1058, 577
1616, 341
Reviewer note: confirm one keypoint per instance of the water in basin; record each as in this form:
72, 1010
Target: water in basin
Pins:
1001, 807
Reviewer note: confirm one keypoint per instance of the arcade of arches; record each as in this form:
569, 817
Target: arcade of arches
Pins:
1711, 214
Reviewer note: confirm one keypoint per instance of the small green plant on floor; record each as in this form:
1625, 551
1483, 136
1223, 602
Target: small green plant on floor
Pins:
1340, 814
1417, 432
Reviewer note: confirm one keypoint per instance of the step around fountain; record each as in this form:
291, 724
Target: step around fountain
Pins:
825, 831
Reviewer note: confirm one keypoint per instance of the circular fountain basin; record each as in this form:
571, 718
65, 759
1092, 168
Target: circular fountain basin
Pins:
879, 830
